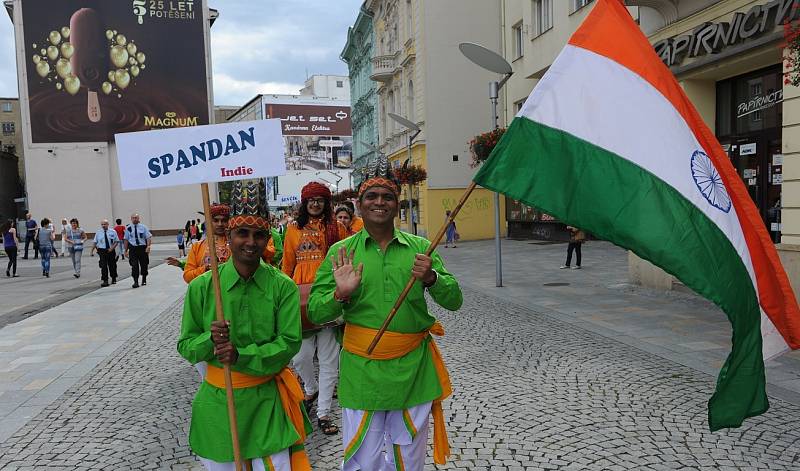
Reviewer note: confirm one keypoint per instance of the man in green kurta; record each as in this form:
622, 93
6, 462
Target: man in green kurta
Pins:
387, 396
259, 337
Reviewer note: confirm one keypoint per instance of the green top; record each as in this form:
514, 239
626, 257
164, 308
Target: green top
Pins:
385, 384
265, 328
277, 241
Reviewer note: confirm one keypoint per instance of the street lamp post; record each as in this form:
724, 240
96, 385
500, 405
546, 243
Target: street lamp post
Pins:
415, 130
493, 62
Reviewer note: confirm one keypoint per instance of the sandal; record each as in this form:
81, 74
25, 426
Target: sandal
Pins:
327, 426
310, 401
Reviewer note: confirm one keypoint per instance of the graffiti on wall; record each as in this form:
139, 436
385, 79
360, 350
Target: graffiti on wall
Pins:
477, 207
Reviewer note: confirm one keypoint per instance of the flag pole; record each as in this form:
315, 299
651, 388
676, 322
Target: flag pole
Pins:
410, 284
212, 251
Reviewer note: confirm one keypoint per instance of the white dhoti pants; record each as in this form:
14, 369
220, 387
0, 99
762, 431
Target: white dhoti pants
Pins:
280, 461
386, 440
324, 344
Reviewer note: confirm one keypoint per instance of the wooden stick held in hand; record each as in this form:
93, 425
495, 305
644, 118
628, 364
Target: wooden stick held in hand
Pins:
237, 456
410, 284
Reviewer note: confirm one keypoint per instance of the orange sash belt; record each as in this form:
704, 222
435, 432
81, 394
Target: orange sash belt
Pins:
395, 345
291, 394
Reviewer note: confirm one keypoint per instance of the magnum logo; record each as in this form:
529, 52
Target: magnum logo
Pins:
170, 120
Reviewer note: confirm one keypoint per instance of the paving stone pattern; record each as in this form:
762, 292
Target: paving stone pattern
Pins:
531, 392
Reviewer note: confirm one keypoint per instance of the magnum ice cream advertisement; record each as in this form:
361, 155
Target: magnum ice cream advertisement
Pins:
100, 67
316, 137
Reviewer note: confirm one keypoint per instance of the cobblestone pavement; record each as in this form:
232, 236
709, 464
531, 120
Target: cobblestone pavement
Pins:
531, 392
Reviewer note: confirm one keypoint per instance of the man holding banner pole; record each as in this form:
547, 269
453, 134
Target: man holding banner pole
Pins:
246, 355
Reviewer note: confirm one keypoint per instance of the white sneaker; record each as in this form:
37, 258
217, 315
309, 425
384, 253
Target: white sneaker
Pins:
576, 267
563, 267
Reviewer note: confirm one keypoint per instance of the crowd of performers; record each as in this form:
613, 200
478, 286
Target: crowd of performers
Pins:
320, 288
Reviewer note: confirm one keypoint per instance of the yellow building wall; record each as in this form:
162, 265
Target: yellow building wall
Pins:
475, 221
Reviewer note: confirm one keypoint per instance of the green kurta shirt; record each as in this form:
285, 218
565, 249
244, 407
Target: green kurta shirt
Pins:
277, 241
385, 384
264, 313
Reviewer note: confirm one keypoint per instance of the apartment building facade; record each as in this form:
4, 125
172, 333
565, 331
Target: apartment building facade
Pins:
422, 76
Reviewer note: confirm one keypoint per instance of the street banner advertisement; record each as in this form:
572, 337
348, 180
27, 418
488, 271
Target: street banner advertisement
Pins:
212, 153
97, 68
317, 137
287, 200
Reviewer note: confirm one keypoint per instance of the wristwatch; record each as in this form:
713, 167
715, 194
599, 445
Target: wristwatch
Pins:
428, 285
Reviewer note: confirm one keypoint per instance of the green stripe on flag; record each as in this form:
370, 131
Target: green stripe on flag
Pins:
589, 187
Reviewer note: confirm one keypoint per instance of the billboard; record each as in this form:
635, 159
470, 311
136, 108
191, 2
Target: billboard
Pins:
100, 67
316, 136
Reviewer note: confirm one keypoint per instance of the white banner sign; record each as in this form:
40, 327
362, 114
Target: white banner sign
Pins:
198, 154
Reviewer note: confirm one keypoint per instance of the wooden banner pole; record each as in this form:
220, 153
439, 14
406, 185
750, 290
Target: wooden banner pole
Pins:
212, 249
410, 284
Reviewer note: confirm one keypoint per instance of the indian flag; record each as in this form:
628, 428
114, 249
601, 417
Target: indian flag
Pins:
608, 142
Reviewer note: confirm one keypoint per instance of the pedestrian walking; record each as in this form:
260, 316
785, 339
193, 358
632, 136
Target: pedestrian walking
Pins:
120, 230
30, 236
45, 237
304, 246
452, 235
75, 239
181, 240
64, 227
260, 335
106, 241
388, 396
10, 246
193, 231
54, 251
576, 238
137, 248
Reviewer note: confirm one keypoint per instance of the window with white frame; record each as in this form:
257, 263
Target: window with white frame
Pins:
340, 84
7, 107
390, 106
518, 106
516, 38
578, 4
410, 102
8, 128
409, 21
542, 16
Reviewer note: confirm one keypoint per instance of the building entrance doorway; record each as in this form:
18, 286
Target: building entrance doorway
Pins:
749, 117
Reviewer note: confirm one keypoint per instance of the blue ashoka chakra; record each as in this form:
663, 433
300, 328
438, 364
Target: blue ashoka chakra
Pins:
709, 182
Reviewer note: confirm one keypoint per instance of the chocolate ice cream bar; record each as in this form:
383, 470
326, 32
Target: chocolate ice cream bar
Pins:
90, 59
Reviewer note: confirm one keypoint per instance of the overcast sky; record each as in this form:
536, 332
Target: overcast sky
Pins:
257, 46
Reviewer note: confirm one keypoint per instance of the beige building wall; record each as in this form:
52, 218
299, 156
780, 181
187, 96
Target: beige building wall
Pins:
11, 132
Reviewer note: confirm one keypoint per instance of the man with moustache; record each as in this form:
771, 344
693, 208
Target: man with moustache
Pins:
260, 335
387, 396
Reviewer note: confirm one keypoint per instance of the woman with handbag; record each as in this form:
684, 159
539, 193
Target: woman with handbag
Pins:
576, 238
75, 239
305, 245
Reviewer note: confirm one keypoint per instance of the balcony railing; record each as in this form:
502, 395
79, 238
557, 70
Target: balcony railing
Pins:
383, 68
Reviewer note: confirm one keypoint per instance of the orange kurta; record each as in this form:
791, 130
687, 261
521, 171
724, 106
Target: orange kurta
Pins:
305, 249
356, 225
198, 257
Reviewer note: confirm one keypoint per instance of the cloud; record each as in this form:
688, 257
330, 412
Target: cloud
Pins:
231, 91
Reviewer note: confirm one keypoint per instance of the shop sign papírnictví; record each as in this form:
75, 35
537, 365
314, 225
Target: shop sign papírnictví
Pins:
711, 38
